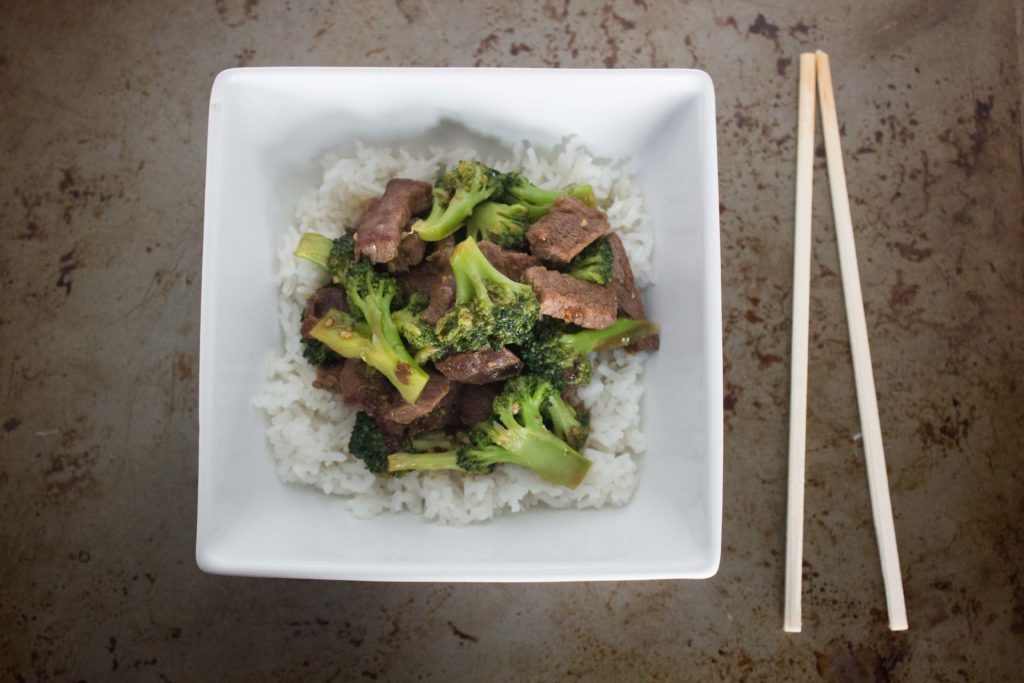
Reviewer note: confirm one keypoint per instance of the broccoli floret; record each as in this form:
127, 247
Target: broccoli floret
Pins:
335, 256
375, 339
594, 263
491, 310
417, 332
560, 354
367, 444
455, 196
503, 224
566, 423
517, 435
537, 200
317, 353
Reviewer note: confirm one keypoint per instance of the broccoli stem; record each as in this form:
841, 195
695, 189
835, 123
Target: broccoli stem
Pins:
387, 354
439, 225
341, 334
404, 462
539, 200
622, 332
428, 441
473, 272
531, 445
550, 457
315, 248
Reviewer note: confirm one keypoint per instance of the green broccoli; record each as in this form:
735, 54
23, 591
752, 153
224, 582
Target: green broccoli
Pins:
455, 196
594, 263
342, 334
503, 224
491, 310
375, 340
425, 451
566, 423
317, 353
516, 435
556, 352
367, 444
335, 256
419, 334
537, 200
409, 461
436, 440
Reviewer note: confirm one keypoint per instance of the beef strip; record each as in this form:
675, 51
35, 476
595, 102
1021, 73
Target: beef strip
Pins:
627, 295
476, 402
434, 278
319, 302
481, 367
433, 393
410, 252
359, 385
442, 296
443, 249
379, 231
571, 299
424, 278
566, 230
436, 408
512, 264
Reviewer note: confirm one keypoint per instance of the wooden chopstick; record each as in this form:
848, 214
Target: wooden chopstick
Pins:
798, 370
878, 482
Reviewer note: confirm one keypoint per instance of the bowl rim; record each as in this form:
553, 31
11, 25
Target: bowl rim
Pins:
207, 557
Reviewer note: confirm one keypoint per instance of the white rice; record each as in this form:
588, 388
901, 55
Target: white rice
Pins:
309, 428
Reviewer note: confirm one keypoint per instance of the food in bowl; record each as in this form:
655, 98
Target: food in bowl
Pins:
446, 334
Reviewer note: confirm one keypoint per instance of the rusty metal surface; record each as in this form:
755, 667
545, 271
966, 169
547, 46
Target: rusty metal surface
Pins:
102, 140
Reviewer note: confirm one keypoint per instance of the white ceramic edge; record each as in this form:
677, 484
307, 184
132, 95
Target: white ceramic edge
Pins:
713, 335
207, 559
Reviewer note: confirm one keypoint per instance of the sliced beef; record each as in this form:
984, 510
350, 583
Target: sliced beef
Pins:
318, 303
512, 264
421, 278
435, 279
627, 295
442, 296
566, 230
359, 385
476, 401
432, 277
442, 251
380, 230
576, 301
481, 367
436, 408
410, 252
623, 284
430, 398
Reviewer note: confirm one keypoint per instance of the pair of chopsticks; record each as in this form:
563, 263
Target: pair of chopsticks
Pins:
816, 65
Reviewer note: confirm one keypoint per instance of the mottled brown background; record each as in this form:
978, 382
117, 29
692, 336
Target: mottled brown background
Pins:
102, 145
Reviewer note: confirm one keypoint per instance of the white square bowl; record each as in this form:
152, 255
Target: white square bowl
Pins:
268, 129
